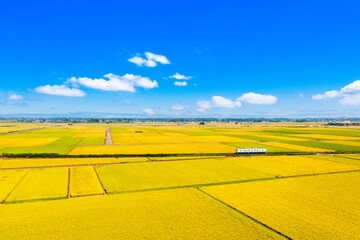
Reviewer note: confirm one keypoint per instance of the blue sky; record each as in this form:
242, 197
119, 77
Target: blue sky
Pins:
245, 58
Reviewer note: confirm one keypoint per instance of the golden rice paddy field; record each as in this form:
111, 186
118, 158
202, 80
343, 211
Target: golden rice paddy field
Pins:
172, 138
290, 193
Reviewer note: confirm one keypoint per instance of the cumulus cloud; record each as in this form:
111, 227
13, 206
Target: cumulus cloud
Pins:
150, 61
221, 102
328, 94
180, 77
60, 90
217, 102
177, 107
349, 95
127, 83
180, 84
15, 97
148, 111
255, 98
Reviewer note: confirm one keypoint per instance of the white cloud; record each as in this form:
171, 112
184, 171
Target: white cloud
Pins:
151, 60
180, 77
127, 83
177, 107
15, 97
350, 94
180, 84
60, 90
128, 102
328, 94
301, 95
352, 87
157, 58
221, 102
204, 104
255, 98
217, 102
148, 111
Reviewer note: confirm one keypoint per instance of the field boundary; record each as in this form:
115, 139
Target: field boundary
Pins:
242, 213
185, 186
12, 190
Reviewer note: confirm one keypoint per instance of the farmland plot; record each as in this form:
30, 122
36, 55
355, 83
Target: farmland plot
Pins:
49, 183
317, 207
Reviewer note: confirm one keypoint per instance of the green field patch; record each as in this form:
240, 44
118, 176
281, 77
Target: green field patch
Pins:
255, 145
45, 149
49, 183
254, 138
325, 145
66, 141
92, 141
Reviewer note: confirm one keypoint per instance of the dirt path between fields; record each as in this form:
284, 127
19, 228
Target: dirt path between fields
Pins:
108, 139
20, 131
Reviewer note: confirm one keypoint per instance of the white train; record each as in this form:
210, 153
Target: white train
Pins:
250, 150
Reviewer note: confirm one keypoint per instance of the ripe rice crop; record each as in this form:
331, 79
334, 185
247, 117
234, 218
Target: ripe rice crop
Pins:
84, 182
49, 183
181, 158
291, 165
141, 176
317, 207
8, 180
44, 149
55, 162
170, 214
25, 142
153, 149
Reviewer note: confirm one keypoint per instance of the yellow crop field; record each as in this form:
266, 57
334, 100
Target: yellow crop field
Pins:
170, 214
84, 182
295, 147
318, 207
25, 142
153, 149
119, 138
291, 165
8, 180
49, 183
212, 148
130, 177
182, 158
54, 162
219, 139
